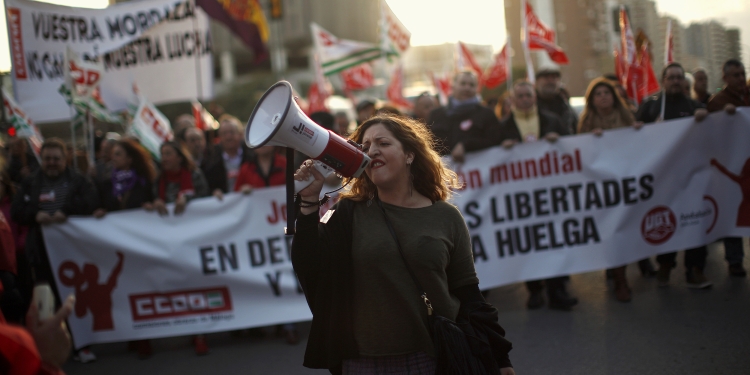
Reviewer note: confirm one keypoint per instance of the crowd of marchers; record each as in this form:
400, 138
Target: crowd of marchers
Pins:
35, 192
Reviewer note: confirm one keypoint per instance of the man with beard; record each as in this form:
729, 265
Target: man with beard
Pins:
676, 105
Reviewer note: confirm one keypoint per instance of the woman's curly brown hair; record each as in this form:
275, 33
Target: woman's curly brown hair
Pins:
431, 177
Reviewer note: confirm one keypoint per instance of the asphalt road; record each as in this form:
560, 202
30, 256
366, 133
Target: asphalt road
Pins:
664, 331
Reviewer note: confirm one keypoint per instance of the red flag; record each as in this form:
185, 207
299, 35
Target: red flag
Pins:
395, 89
466, 61
316, 99
651, 84
498, 72
359, 77
541, 37
203, 119
641, 81
442, 85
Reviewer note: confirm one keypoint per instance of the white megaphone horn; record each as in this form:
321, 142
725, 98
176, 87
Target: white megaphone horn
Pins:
277, 120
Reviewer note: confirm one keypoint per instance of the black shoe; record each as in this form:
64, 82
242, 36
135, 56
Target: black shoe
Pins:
647, 269
559, 299
536, 300
737, 270
609, 274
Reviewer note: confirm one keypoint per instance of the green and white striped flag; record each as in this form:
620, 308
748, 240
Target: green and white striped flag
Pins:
339, 54
25, 128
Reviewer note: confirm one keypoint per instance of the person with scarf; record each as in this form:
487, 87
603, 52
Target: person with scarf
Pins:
130, 184
179, 181
605, 109
465, 125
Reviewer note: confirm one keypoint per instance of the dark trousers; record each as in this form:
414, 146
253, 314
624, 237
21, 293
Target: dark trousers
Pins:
695, 257
734, 251
552, 284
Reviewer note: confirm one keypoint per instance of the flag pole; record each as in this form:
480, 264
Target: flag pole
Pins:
73, 132
508, 61
197, 56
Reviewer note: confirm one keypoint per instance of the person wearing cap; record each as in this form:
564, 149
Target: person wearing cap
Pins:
551, 99
464, 125
365, 110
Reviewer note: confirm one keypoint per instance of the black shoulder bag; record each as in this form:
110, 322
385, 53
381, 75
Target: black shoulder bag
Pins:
452, 348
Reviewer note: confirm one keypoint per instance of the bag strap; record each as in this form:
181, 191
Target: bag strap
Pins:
423, 294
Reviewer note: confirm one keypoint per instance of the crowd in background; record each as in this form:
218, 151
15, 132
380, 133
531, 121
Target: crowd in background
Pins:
202, 163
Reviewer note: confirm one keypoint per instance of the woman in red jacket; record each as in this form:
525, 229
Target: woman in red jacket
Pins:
266, 169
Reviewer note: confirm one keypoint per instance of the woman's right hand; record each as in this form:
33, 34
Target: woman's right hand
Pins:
311, 193
160, 207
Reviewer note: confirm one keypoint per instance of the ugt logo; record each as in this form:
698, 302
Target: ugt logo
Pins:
90, 295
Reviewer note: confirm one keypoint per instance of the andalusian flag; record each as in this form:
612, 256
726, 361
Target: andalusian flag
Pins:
244, 18
21, 122
337, 54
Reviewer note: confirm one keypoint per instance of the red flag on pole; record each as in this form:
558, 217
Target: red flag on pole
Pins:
498, 72
359, 77
316, 99
395, 89
466, 60
651, 84
442, 85
542, 37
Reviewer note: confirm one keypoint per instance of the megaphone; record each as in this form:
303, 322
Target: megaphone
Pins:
277, 120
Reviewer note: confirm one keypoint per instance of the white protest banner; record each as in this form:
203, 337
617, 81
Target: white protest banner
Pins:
154, 42
219, 266
538, 210
586, 203
151, 127
394, 37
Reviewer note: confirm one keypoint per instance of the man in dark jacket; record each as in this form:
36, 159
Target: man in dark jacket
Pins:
676, 105
465, 125
223, 163
528, 123
47, 197
550, 97
735, 94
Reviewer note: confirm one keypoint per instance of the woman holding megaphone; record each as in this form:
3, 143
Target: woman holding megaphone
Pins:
391, 240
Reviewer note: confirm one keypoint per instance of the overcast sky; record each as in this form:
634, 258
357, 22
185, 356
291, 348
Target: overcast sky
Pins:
483, 22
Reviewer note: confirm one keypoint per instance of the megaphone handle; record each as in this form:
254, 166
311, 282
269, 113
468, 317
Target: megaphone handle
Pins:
320, 167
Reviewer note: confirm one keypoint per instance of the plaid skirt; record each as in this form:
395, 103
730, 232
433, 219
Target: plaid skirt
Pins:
409, 364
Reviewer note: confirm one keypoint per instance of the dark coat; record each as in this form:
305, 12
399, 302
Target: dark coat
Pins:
322, 260
719, 100
677, 106
82, 199
135, 198
559, 106
214, 170
481, 128
548, 123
